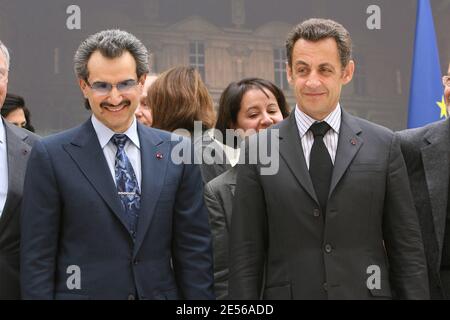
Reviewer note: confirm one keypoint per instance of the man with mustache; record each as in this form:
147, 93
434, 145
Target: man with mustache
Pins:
107, 214
337, 220
426, 152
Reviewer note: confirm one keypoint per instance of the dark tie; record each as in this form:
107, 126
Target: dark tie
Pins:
320, 165
126, 183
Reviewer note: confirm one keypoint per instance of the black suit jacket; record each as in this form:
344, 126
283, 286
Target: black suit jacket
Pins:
370, 223
18, 144
426, 152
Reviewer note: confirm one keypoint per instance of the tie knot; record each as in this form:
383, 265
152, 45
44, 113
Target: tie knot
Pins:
119, 140
320, 128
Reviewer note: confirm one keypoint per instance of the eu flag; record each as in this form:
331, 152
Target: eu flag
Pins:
426, 100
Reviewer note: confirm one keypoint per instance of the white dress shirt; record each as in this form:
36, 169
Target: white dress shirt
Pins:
304, 122
3, 167
132, 146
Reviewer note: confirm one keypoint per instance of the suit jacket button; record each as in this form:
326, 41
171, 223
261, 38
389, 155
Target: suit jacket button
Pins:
328, 248
131, 297
136, 262
316, 213
325, 286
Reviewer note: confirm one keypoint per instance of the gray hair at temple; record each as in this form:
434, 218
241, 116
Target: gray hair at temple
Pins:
5, 52
319, 29
111, 44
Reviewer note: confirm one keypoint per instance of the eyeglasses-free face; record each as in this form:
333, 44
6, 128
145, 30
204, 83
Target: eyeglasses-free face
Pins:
3, 74
3, 78
446, 81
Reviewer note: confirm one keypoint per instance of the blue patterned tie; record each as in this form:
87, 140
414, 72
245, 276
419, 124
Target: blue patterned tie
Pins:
126, 183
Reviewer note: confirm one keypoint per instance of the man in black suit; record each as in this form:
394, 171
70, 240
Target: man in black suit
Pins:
15, 146
426, 152
337, 220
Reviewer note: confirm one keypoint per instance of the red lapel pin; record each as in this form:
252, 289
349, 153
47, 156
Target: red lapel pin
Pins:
159, 155
353, 142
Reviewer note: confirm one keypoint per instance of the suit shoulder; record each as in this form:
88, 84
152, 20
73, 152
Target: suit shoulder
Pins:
410, 139
61, 137
367, 125
417, 134
26, 136
413, 139
374, 134
32, 138
166, 136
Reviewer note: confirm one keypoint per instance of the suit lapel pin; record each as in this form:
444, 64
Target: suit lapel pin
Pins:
353, 141
24, 152
159, 155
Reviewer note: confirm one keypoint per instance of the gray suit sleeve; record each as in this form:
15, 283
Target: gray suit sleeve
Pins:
402, 236
220, 236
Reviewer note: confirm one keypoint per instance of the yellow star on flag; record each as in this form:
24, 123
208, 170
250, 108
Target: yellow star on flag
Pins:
443, 108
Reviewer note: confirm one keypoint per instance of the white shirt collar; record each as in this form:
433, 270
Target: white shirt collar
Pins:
304, 122
231, 153
2, 131
105, 134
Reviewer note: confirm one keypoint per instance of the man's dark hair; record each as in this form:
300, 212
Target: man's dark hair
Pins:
111, 44
319, 29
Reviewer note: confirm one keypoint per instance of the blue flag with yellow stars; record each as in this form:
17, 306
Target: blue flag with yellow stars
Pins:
426, 99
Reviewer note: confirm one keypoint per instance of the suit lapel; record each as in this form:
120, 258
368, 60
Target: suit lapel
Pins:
86, 152
292, 153
209, 155
17, 152
435, 163
229, 182
348, 146
154, 159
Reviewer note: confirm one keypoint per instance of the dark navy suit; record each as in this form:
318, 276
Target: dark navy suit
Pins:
71, 216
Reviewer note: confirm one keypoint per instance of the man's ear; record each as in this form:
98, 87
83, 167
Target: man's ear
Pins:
142, 79
84, 87
141, 83
348, 72
289, 73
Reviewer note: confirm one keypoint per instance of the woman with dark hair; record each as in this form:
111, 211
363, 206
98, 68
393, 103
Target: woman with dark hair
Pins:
238, 117
15, 111
234, 114
247, 106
